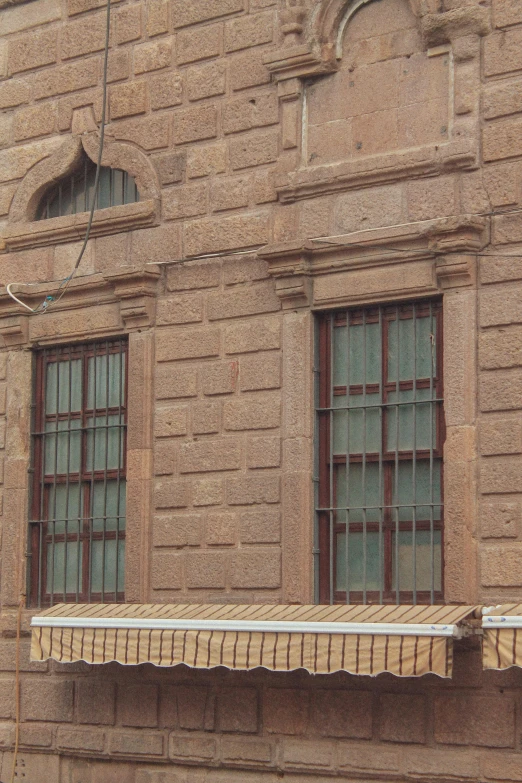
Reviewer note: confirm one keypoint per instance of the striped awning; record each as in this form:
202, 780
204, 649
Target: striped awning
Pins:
502, 646
406, 640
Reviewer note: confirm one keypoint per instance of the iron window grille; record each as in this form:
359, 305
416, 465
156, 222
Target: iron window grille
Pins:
379, 498
75, 193
77, 528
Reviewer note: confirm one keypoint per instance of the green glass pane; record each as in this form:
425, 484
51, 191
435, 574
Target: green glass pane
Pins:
423, 560
103, 566
104, 442
108, 505
419, 418
64, 568
108, 375
354, 555
104, 189
63, 386
118, 195
67, 458
425, 491
357, 430
420, 361
351, 342
361, 495
64, 503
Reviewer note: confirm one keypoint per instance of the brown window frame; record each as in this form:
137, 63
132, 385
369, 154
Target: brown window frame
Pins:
40, 537
327, 524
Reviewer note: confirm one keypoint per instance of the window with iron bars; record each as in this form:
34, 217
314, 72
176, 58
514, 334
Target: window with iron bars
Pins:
77, 528
379, 504
75, 193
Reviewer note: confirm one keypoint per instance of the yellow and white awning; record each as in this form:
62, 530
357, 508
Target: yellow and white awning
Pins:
502, 644
404, 640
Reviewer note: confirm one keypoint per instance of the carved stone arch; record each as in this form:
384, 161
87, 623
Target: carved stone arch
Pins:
63, 162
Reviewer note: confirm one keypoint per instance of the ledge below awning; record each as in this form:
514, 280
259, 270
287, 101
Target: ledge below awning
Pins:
407, 641
502, 645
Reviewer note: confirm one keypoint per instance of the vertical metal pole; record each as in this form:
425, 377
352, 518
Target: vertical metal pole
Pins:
414, 458
365, 532
347, 468
107, 368
432, 410
382, 435
397, 408
331, 512
93, 463
55, 471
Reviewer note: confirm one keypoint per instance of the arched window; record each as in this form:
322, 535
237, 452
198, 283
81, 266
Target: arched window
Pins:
75, 192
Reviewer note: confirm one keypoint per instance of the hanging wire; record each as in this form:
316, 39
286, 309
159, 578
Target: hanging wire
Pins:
51, 300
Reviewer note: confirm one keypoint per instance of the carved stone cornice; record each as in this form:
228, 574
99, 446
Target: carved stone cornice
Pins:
136, 291
14, 329
297, 62
446, 244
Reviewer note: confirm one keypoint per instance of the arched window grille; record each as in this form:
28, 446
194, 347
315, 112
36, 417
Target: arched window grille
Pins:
75, 193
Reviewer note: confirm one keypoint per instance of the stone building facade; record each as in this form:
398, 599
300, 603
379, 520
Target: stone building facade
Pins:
292, 159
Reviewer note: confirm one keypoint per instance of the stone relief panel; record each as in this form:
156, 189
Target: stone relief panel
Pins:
389, 94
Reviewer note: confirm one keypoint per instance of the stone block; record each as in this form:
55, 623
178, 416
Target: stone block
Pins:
248, 70
176, 530
498, 269
341, 713
500, 565
181, 309
253, 489
128, 99
501, 348
499, 307
402, 718
152, 56
40, 736
82, 739
368, 209
7, 699
136, 743
264, 452
427, 762
166, 90
191, 748
165, 458
207, 492
260, 527
185, 201
206, 81
503, 52
151, 245
171, 493
230, 233
354, 757
260, 371
166, 571
500, 390
220, 529
506, 12
138, 705
157, 18
31, 51
66, 78
244, 269
254, 335
255, 568
34, 121
308, 754
430, 198
207, 160
253, 412
247, 31
149, 133
195, 123
14, 92
210, 455
247, 752
95, 702
171, 167
193, 343
254, 149
49, 701
15, 19
127, 24
206, 417
230, 193
206, 569
463, 719
502, 100
173, 381
171, 421
244, 301
500, 436
199, 44
285, 710
184, 14
500, 474
237, 710
6, 129
83, 36
219, 378
500, 519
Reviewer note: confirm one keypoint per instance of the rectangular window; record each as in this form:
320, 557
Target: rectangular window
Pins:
381, 430
79, 457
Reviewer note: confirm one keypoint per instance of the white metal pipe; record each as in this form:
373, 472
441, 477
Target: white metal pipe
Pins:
499, 621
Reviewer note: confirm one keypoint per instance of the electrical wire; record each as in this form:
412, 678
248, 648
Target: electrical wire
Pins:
51, 300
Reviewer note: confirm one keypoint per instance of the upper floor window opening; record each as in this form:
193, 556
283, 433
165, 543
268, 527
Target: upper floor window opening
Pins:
75, 193
381, 432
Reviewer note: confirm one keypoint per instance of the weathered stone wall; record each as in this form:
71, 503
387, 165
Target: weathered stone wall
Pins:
245, 140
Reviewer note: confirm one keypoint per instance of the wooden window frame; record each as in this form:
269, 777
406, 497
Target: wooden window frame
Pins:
388, 526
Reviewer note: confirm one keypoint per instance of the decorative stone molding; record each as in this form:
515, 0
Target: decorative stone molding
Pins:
445, 27
136, 291
14, 329
424, 258
22, 231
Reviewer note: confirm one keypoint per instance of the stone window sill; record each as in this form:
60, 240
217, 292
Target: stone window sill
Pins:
71, 228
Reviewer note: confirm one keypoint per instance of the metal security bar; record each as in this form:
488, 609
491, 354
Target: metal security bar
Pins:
75, 193
77, 530
379, 515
